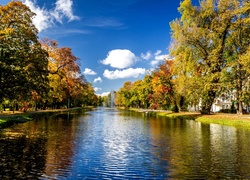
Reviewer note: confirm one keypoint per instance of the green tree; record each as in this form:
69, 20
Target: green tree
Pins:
136, 93
124, 95
23, 63
237, 73
200, 39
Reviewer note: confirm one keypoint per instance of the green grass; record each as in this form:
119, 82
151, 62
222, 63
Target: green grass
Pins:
222, 119
6, 121
2, 121
225, 120
180, 115
168, 114
8, 118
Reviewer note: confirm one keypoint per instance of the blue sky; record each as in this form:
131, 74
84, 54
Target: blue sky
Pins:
115, 40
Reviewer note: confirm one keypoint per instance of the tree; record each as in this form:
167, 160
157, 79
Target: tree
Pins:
200, 39
136, 92
147, 90
23, 63
89, 96
162, 95
124, 95
64, 72
155, 90
188, 85
237, 73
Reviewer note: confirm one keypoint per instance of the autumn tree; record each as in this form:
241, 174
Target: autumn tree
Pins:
162, 87
124, 95
146, 91
187, 82
203, 31
136, 92
78, 91
155, 91
66, 83
237, 71
23, 63
89, 97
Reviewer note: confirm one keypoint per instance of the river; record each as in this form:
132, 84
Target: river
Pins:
113, 144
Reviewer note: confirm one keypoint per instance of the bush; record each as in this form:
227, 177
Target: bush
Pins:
175, 108
233, 111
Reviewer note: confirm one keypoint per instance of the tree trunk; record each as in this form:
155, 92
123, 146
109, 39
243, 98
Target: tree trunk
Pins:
182, 101
45, 105
1, 95
68, 105
239, 89
240, 108
16, 107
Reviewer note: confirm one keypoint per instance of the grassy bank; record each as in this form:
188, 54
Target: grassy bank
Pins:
223, 119
180, 115
226, 119
169, 114
8, 118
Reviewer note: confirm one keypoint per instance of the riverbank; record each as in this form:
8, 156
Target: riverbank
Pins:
8, 118
216, 118
226, 119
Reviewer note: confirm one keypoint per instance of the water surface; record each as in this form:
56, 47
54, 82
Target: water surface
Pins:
112, 144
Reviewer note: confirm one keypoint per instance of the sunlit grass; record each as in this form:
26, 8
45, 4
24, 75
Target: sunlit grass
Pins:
223, 119
8, 118
12, 119
229, 120
2, 121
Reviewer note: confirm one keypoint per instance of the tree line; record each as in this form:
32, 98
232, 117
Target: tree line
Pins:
211, 57
155, 91
37, 73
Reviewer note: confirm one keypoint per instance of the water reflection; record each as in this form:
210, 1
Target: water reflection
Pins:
47, 142
198, 151
115, 146
107, 143
22, 157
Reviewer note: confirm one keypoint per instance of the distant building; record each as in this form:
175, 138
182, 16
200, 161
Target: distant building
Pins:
223, 102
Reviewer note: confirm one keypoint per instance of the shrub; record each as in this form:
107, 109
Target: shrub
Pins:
233, 111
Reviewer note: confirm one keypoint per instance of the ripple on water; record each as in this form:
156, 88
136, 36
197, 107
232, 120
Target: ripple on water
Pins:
108, 145
111, 152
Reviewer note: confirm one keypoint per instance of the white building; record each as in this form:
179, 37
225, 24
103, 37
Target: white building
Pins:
220, 103
223, 102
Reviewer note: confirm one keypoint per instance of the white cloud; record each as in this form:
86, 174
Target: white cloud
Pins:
146, 56
103, 94
158, 52
64, 8
45, 18
97, 89
88, 71
155, 58
42, 20
99, 79
159, 58
127, 73
120, 58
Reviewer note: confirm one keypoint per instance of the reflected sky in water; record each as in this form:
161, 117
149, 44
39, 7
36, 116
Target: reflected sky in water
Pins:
107, 143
